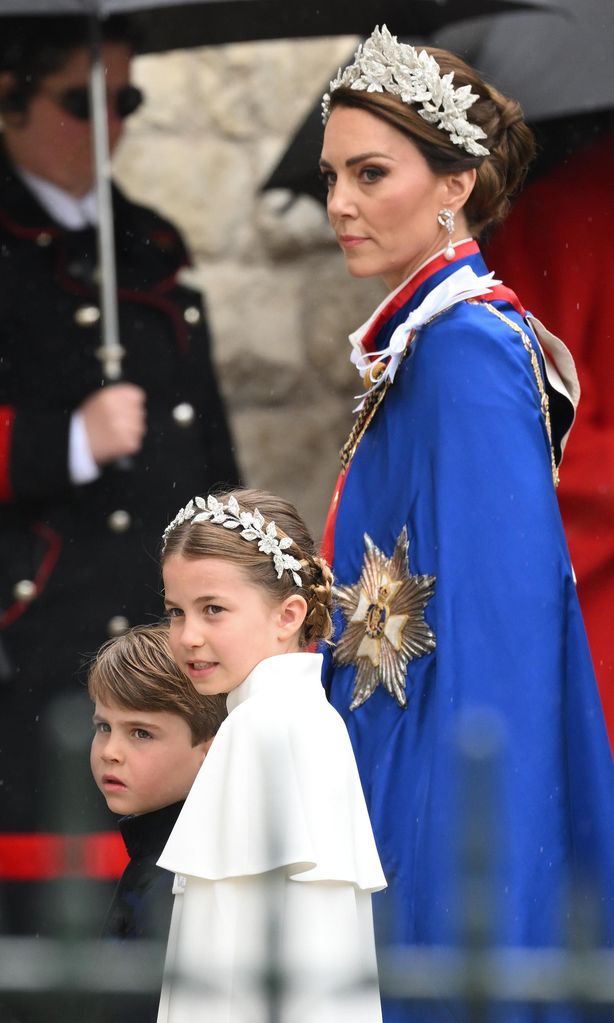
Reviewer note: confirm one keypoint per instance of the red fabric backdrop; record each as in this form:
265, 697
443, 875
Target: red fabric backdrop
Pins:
556, 250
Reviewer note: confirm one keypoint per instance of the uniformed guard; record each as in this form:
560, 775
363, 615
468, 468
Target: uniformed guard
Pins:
79, 530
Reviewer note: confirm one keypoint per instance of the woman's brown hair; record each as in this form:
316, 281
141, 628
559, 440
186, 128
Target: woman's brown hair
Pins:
508, 138
211, 540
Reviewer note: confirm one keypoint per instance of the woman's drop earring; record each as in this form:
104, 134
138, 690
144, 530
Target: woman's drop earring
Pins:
445, 218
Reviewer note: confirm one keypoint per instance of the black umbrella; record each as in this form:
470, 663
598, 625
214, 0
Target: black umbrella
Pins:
165, 25
297, 170
556, 59
555, 66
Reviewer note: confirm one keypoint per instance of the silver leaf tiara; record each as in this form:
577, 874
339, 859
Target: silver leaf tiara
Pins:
251, 526
383, 64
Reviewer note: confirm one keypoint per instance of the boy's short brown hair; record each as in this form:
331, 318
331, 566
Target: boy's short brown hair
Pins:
137, 671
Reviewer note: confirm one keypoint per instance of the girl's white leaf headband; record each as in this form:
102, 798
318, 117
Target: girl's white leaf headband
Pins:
251, 526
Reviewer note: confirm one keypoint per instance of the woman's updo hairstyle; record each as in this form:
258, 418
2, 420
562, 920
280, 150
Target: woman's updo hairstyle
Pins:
508, 138
212, 540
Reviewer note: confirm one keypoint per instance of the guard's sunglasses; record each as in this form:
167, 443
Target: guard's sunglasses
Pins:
76, 101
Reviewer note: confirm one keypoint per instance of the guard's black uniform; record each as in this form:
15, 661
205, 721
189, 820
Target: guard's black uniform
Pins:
90, 550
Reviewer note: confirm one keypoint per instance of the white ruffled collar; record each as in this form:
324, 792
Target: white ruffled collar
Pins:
459, 286
355, 338
279, 788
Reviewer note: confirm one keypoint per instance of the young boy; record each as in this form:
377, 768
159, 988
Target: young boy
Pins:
152, 733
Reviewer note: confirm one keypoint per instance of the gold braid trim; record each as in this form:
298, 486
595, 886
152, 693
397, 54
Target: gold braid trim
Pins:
544, 402
373, 402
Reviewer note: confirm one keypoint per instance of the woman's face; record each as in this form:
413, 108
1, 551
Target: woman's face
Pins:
383, 199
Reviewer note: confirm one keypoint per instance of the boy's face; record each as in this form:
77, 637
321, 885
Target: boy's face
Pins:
143, 760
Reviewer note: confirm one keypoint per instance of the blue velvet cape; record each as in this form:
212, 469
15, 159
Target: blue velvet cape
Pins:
459, 455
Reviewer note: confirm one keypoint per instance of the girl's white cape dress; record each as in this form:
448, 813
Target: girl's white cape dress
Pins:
275, 863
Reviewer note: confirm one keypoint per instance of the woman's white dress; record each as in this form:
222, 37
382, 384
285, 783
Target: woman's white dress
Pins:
275, 863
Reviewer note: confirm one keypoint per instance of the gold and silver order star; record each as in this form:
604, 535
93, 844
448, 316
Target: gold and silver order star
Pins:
385, 627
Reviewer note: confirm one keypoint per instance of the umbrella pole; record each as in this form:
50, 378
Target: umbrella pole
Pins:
110, 352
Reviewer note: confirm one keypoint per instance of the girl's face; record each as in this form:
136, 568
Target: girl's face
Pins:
221, 624
383, 198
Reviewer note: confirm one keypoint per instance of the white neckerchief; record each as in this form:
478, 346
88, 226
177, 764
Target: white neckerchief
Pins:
458, 287
72, 213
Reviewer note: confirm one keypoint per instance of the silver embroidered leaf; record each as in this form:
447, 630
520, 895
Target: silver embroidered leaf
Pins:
383, 64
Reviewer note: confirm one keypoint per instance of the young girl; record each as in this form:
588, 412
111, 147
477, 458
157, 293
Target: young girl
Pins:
273, 852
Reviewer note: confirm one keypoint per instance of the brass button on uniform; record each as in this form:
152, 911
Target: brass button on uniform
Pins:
192, 314
44, 239
119, 521
183, 414
24, 591
117, 625
87, 315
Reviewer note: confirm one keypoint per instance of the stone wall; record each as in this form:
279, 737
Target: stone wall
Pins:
280, 300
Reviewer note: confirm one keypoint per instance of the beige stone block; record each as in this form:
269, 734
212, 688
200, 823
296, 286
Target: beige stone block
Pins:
293, 452
268, 85
255, 311
172, 103
205, 187
293, 78
223, 85
290, 225
334, 305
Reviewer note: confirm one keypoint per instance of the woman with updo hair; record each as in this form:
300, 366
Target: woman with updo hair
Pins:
455, 590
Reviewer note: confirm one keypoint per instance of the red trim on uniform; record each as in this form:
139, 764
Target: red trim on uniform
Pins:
74, 287
7, 418
43, 857
46, 567
502, 294
164, 306
328, 539
152, 299
167, 283
30, 233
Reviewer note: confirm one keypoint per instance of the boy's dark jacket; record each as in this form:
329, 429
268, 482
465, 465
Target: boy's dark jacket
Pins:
142, 903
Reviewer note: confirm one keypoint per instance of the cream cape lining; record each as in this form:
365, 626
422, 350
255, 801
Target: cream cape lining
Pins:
279, 788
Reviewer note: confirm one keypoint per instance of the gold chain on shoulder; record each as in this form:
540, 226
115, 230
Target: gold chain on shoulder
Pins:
544, 402
372, 403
